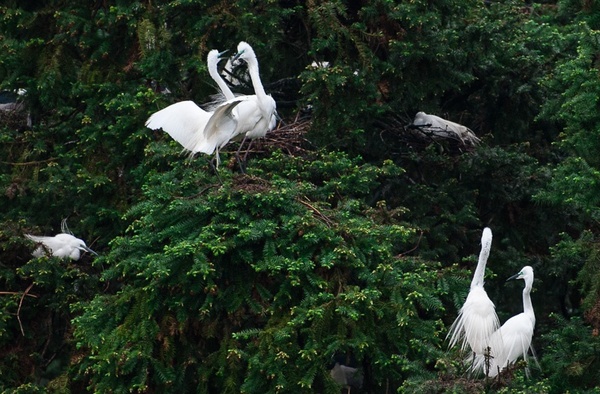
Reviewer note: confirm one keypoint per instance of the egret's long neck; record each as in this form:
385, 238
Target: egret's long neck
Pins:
486, 245
527, 306
255, 76
214, 73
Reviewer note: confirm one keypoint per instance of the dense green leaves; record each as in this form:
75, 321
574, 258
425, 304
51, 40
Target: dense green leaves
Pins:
280, 271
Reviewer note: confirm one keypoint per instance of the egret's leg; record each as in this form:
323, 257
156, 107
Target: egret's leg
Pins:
215, 169
248, 150
217, 156
237, 155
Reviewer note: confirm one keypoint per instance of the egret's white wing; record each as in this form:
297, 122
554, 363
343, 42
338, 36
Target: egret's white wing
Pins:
219, 129
255, 118
248, 115
515, 334
50, 242
39, 251
463, 132
183, 121
55, 245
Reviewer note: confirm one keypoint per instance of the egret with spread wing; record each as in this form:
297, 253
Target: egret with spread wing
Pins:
185, 122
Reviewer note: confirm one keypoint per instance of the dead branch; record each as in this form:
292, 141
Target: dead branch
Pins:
19, 309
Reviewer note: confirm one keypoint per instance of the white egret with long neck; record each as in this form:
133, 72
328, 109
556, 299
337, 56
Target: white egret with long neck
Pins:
477, 319
513, 340
212, 62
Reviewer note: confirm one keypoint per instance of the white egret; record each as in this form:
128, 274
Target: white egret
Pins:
438, 127
185, 121
259, 115
250, 116
477, 319
320, 64
62, 245
212, 62
513, 339
203, 131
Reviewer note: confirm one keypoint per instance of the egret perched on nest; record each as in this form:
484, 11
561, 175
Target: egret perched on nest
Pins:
439, 128
62, 245
513, 340
259, 114
477, 319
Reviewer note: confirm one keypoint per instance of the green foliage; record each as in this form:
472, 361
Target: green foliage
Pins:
260, 274
574, 182
571, 358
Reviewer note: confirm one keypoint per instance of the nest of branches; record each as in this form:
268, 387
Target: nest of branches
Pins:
13, 117
251, 184
287, 137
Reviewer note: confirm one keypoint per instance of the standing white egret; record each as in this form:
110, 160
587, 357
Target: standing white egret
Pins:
258, 114
185, 122
477, 319
62, 245
513, 339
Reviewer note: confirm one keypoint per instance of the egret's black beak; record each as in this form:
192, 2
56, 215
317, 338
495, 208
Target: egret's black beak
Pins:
237, 55
220, 55
515, 276
89, 250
